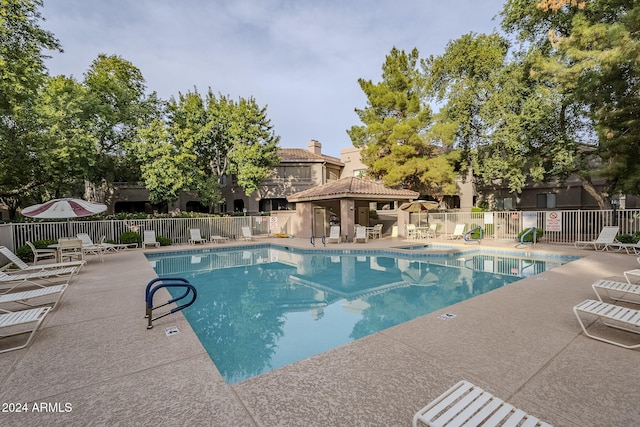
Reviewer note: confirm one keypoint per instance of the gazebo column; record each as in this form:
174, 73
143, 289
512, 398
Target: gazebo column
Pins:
347, 218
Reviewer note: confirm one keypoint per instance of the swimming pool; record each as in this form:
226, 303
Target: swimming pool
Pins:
265, 306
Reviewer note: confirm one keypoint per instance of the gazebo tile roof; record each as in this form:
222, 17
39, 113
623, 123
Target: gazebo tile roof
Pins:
351, 187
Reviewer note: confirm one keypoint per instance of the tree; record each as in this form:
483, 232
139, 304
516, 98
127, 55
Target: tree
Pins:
586, 54
22, 74
67, 153
203, 139
119, 106
396, 146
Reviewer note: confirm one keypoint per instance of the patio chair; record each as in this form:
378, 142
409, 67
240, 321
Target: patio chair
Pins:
246, 233
196, 237
14, 260
41, 253
375, 232
606, 237
617, 291
27, 297
334, 234
614, 316
149, 239
458, 232
432, 232
468, 404
361, 234
16, 319
412, 233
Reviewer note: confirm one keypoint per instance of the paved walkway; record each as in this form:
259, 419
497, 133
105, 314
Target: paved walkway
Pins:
95, 363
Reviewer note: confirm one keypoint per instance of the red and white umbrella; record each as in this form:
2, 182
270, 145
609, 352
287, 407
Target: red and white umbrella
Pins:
64, 208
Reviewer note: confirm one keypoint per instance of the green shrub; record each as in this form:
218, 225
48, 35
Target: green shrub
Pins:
625, 238
129, 237
164, 241
529, 237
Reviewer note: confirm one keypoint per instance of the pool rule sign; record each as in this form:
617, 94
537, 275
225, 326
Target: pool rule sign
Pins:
553, 221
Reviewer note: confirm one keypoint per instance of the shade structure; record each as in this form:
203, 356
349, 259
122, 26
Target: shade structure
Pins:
64, 208
419, 206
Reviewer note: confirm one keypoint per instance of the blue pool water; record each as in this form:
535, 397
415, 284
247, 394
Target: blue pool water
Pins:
263, 307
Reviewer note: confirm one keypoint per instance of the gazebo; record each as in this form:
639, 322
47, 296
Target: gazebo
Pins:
344, 202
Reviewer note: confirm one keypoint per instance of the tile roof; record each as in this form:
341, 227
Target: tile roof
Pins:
302, 155
351, 187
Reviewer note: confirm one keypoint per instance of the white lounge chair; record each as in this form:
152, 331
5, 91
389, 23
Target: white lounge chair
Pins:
627, 247
149, 239
458, 232
15, 319
196, 237
617, 291
24, 267
27, 297
36, 278
334, 234
246, 233
615, 316
469, 405
432, 232
41, 253
90, 248
219, 239
606, 237
361, 234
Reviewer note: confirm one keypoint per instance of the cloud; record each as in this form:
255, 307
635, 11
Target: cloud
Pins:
301, 58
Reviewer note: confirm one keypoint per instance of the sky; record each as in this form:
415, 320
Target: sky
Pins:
300, 59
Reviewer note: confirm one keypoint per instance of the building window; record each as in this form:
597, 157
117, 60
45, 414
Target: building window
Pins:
504, 203
546, 201
238, 205
267, 205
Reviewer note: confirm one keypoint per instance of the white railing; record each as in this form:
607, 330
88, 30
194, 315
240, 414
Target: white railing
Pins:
572, 224
14, 235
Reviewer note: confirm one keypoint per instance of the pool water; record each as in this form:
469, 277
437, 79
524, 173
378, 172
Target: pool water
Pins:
263, 307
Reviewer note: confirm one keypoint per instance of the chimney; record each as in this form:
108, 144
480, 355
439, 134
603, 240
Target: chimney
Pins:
315, 147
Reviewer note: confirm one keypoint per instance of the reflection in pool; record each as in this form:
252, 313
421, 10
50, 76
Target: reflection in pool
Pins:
264, 307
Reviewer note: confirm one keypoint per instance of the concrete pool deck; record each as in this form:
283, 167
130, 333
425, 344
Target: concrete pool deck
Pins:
93, 362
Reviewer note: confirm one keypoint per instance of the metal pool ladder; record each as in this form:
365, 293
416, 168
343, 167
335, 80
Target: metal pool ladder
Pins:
164, 282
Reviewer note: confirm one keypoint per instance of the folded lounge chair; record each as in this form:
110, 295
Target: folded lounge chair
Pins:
29, 298
246, 233
361, 234
615, 316
13, 322
334, 234
196, 237
149, 239
458, 232
24, 267
469, 405
606, 237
